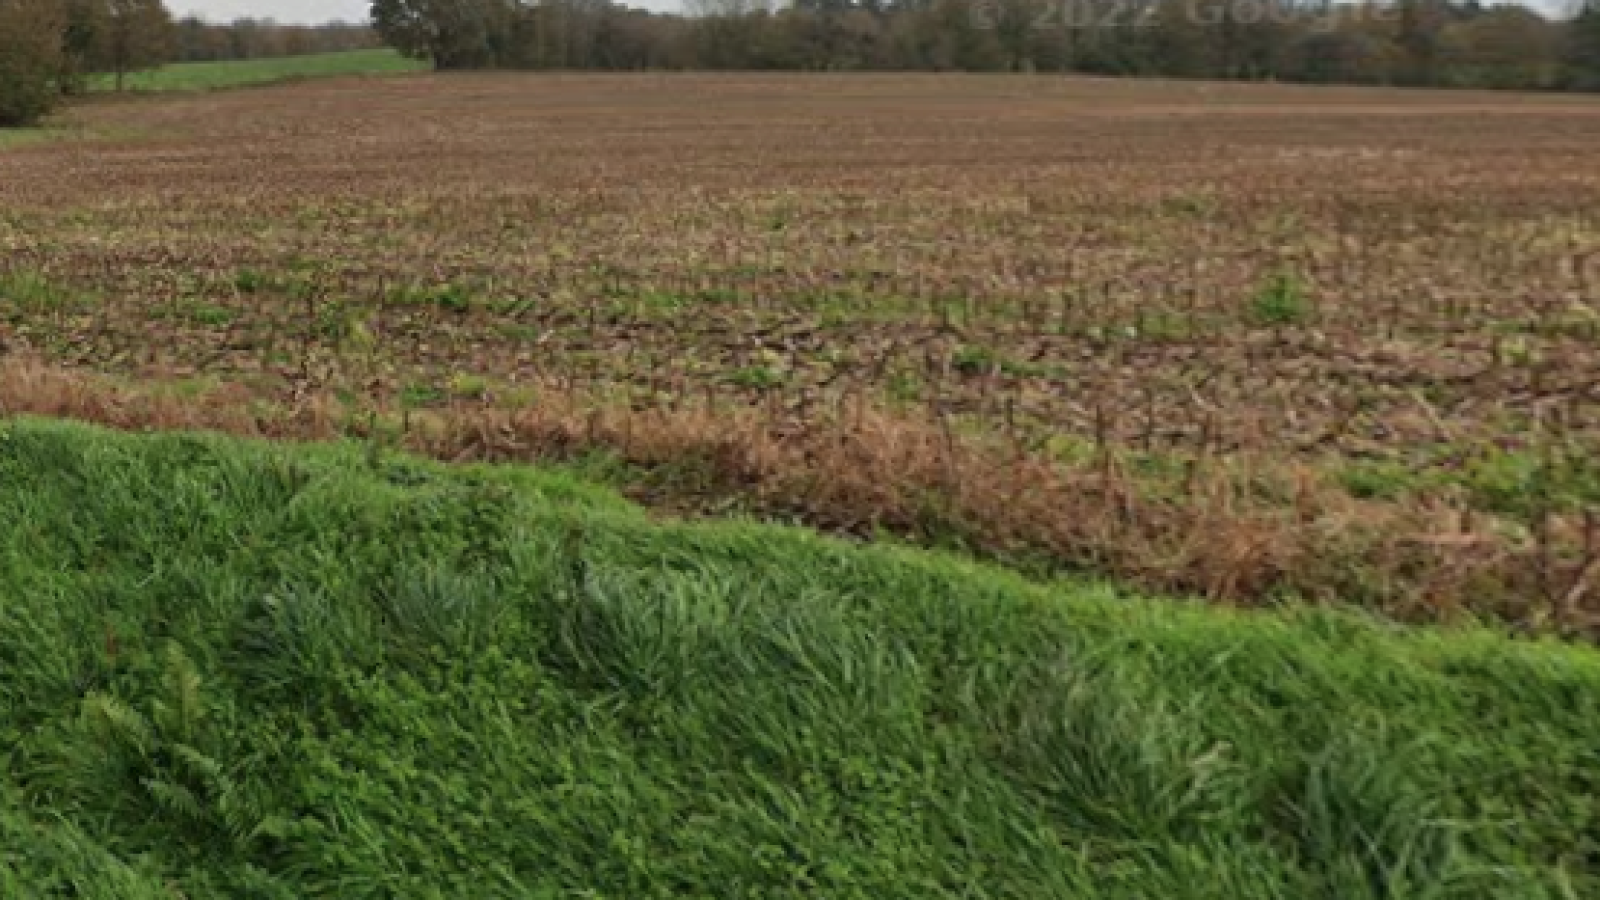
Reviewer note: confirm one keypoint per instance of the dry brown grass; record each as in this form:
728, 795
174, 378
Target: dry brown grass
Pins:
1223, 537
1032, 314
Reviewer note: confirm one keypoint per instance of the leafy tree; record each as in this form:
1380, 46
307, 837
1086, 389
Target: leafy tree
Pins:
137, 34
1419, 42
454, 34
30, 59
1504, 47
85, 30
1583, 47
1420, 25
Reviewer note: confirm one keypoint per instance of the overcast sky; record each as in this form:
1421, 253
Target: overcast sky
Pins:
282, 10
317, 11
308, 11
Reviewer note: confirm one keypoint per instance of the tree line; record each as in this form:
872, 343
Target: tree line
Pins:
51, 48
197, 40
1443, 43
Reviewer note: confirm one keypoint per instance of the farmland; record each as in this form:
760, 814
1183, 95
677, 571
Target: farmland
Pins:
1245, 341
752, 485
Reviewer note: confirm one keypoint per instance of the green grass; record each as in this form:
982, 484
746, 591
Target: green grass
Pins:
1521, 485
1281, 300
61, 132
25, 293
245, 73
235, 669
22, 137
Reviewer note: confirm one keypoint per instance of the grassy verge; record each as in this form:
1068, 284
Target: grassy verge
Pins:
237, 668
246, 73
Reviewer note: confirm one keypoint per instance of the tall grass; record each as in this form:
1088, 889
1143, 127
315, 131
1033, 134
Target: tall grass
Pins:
235, 669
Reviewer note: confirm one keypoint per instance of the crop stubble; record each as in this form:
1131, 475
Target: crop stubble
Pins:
1058, 268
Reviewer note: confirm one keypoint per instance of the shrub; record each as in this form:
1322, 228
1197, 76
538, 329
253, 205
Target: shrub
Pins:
30, 58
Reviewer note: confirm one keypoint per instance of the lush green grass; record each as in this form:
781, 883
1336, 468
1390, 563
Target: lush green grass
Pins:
240, 670
244, 73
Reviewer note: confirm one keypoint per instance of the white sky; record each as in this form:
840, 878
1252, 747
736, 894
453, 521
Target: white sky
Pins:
318, 11
309, 11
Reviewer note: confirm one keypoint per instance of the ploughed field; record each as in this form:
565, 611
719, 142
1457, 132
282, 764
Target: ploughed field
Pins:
1269, 339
